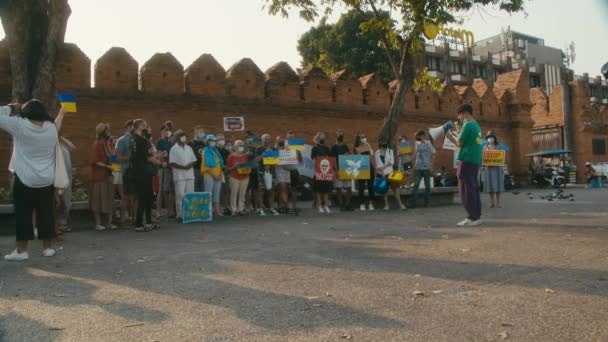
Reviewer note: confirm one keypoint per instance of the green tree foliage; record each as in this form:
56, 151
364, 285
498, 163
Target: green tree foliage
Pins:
401, 31
346, 44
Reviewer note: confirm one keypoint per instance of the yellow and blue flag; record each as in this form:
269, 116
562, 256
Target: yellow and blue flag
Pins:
271, 158
405, 147
255, 142
295, 144
68, 102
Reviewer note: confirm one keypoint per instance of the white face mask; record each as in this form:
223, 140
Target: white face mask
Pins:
491, 140
168, 134
240, 149
183, 140
364, 140
212, 143
221, 143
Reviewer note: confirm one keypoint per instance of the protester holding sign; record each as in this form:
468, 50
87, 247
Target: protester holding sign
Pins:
422, 170
239, 168
385, 159
198, 144
283, 173
181, 160
323, 181
364, 148
166, 193
343, 186
493, 176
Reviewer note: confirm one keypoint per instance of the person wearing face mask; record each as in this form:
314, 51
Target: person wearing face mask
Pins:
424, 160
212, 165
405, 163
181, 160
493, 176
198, 144
127, 204
362, 147
239, 170
321, 188
260, 192
102, 196
166, 191
142, 161
225, 192
385, 160
343, 187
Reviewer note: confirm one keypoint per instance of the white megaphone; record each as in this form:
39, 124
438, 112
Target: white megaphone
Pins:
438, 132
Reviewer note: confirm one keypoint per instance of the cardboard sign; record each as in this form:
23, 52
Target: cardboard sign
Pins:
295, 144
306, 167
234, 124
68, 102
288, 157
493, 158
353, 166
325, 168
405, 147
197, 207
449, 145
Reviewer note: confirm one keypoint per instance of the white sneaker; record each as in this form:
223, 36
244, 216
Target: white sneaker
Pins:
112, 227
48, 252
100, 227
326, 208
16, 256
371, 207
321, 211
35, 232
274, 212
463, 223
475, 223
261, 212
362, 207
386, 208
403, 207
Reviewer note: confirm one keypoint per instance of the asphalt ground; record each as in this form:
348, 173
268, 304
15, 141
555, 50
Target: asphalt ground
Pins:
534, 271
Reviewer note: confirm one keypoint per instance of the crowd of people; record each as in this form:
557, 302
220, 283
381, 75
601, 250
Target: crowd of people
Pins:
151, 176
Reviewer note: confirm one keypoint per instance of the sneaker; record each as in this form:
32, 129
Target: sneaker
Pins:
475, 223
16, 256
112, 227
321, 210
48, 252
362, 207
403, 207
371, 207
261, 212
273, 211
463, 223
100, 227
326, 208
35, 232
386, 208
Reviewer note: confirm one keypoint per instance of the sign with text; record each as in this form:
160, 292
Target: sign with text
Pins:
288, 157
325, 168
197, 207
493, 158
234, 124
305, 167
353, 166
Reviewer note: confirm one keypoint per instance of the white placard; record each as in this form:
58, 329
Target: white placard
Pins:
234, 124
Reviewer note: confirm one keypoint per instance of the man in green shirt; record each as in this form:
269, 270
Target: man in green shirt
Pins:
470, 142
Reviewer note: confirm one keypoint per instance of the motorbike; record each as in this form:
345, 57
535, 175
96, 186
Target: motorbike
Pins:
554, 177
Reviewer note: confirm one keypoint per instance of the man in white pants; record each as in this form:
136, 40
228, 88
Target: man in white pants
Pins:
181, 160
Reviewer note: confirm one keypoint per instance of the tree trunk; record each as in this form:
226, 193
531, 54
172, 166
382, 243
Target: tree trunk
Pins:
34, 30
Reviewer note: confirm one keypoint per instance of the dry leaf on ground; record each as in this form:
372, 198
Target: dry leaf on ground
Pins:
503, 335
418, 293
133, 325
549, 291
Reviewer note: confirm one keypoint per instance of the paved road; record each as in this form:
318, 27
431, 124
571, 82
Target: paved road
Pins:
535, 271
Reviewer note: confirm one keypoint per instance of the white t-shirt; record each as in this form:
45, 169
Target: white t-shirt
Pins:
33, 159
388, 159
182, 156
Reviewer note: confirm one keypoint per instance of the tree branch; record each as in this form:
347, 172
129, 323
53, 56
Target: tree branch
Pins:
385, 40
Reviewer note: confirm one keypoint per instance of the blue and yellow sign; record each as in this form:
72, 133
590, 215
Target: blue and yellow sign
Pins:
68, 102
197, 207
405, 148
353, 166
271, 157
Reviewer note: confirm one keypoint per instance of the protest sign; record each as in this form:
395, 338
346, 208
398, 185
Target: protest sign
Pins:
234, 124
493, 158
288, 157
353, 166
197, 207
325, 168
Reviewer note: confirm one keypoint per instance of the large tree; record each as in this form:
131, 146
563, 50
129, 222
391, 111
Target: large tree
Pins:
402, 32
346, 44
34, 32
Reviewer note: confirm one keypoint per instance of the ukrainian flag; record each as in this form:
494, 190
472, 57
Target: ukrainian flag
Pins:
405, 148
68, 102
255, 142
271, 158
295, 144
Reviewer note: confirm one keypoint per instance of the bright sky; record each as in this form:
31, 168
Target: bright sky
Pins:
233, 29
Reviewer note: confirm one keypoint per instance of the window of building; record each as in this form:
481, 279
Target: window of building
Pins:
479, 71
598, 147
534, 81
433, 63
605, 92
457, 68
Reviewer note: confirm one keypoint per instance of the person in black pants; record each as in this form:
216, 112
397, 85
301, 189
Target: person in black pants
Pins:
142, 166
364, 148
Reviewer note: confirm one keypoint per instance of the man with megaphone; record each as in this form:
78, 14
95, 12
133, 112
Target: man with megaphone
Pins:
469, 141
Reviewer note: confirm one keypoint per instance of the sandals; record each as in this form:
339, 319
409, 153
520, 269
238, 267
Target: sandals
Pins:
147, 227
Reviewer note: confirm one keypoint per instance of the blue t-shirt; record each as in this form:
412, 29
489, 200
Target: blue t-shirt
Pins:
164, 145
122, 147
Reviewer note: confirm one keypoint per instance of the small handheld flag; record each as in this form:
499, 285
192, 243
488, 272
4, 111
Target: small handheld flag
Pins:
405, 148
255, 142
68, 102
271, 158
295, 144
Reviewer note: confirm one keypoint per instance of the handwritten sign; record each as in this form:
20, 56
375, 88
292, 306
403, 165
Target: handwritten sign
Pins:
325, 168
353, 167
405, 147
234, 124
449, 145
197, 207
288, 157
493, 158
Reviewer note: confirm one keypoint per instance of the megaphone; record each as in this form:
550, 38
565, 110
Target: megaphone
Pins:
439, 132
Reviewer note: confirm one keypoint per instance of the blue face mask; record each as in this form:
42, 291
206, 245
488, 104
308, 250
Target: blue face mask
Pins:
202, 136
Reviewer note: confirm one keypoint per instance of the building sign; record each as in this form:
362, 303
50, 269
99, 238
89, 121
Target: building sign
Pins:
234, 124
493, 158
432, 31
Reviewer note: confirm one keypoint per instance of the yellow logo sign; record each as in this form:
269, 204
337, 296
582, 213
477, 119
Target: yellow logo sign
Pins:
432, 30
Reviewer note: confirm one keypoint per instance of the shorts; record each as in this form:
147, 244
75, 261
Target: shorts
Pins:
165, 177
283, 175
261, 186
117, 178
253, 180
342, 183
